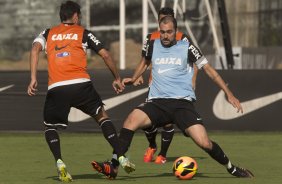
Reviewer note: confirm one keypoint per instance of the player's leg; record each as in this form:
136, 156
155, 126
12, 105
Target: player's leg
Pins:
151, 133
135, 119
110, 169
147, 115
108, 130
89, 101
53, 140
56, 111
166, 138
199, 135
141, 117
190, 122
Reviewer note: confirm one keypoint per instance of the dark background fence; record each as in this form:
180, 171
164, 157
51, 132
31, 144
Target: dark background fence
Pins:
19, 112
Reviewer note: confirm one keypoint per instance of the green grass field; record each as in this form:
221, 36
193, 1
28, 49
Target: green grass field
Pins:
25, 158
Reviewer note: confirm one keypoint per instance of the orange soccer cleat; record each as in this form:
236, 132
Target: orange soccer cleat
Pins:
149, 154
160, 159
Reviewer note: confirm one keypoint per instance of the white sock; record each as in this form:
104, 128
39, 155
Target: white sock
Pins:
228, 165
114, 156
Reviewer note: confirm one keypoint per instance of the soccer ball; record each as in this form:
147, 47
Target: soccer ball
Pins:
185, 168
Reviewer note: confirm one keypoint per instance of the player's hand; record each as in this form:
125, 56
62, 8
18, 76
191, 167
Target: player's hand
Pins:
127, 81
32, 88
235, 103
118, 86
139, 81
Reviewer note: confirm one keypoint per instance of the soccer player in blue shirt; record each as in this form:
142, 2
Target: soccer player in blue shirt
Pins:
171, 95
168, 130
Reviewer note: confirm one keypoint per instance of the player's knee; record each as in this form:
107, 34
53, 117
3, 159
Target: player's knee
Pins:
131, 123
130, 119
206, 145
136, 120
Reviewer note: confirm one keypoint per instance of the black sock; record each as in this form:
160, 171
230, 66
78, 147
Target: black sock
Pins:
53, 140
167, 135
125, 138
115, 162
151, 134
110, 134
217, 153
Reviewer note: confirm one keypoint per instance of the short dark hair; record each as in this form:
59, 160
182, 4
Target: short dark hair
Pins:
166, 11
168, 19
68, 9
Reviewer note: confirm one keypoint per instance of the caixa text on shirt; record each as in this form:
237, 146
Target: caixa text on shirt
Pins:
168, 61
70, 36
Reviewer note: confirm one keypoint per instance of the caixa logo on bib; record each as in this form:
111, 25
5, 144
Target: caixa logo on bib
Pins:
62, 54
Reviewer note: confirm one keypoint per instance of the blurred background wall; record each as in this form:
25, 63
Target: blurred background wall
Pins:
255, 28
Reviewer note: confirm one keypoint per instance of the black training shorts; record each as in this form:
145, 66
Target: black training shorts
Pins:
166, 111
60, 99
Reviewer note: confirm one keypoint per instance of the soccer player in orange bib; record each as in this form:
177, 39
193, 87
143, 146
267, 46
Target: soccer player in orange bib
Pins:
69, 84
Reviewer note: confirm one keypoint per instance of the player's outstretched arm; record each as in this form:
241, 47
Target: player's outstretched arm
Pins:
117, 85
140, 69
34, 58
212, 73
139, 81
194, 78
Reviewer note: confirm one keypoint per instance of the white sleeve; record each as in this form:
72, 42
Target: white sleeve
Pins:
40, 39
201, 62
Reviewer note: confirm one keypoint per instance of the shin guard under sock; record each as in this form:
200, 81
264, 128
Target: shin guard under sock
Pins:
53, 141
167, 136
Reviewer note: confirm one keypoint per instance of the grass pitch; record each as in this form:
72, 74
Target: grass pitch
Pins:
26, 159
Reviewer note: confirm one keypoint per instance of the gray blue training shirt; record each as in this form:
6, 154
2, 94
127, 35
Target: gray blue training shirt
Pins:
172, 69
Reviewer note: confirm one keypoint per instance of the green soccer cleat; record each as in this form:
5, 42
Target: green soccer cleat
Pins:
126, 164
64, 176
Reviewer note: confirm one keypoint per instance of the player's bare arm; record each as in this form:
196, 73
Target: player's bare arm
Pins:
194, 78
140, 79
212, 73
34, 58
140, 69
117, 85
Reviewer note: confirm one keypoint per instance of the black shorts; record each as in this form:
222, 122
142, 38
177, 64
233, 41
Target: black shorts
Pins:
166, 111
60, 99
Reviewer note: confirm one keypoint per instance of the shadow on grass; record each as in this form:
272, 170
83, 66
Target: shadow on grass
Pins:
210, 175
81, 176
172, 159
198, 175
98, 176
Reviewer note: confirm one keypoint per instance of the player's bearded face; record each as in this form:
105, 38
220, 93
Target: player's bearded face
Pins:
167, 34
